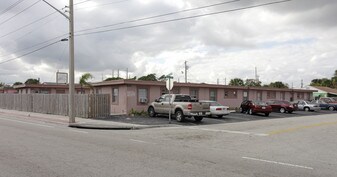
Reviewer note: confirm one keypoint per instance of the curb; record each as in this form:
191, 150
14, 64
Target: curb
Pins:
113, 127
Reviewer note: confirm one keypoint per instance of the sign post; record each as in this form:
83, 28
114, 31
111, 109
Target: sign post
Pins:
169, 86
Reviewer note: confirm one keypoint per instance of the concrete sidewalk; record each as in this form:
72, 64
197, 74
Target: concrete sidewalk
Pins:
80, 122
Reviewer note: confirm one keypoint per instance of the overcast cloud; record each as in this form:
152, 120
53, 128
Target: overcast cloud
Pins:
287, 42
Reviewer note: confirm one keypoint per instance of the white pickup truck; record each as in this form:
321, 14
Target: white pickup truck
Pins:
181, 106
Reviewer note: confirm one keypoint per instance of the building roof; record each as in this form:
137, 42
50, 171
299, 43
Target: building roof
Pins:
326, 89
196, 85
56, 86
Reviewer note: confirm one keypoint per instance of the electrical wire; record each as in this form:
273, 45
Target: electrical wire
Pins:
38, 44
28, 53
99, 5
31, 23
161, 15
11, 6
183, 18
8, 19
81, 2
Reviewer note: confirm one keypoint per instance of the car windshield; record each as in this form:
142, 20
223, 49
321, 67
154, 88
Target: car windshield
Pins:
260, 103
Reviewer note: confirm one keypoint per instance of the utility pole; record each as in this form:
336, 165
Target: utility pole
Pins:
118, 73
301, 83
112, 73
256, 76
186, 68
71, 63
217, 81
225, 81
71, 95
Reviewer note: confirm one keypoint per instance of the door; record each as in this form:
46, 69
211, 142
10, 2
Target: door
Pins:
158, 105
166, 104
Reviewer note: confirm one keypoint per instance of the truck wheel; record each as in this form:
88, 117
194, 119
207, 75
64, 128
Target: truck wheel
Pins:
306, 109
241, 110
197, 118
266, 114
331, 108
151, 112
179, 116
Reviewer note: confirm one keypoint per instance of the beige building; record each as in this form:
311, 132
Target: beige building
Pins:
49, 88
133, 94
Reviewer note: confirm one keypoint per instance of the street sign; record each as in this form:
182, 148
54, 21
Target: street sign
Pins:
169, 83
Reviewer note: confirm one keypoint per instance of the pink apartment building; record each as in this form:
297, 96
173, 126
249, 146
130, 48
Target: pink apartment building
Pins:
49, 88
133, 94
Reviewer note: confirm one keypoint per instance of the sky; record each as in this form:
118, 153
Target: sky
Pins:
289, 42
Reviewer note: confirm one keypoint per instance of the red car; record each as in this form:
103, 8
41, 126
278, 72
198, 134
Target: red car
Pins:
282, 106
252, 107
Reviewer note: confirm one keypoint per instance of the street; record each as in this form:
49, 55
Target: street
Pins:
295, 146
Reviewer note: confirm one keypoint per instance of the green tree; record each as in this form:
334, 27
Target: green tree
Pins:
32, 81
84, 81
2, 84
113, 78
252, 83
17, 83
278, 84
236, 82
162, 78
325, 82
334, 80
149, 77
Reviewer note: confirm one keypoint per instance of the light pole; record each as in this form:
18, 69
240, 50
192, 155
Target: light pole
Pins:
71, 95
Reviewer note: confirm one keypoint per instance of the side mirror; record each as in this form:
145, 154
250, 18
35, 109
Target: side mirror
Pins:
156, 100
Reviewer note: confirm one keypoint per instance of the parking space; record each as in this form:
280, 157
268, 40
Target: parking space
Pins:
231, 118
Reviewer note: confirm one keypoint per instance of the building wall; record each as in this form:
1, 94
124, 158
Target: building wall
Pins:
128, 96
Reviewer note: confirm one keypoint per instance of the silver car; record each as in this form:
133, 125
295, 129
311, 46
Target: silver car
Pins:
307, 106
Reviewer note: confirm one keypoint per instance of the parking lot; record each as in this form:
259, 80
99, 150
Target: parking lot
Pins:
231, 118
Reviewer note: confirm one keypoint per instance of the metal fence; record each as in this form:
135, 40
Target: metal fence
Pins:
86, 105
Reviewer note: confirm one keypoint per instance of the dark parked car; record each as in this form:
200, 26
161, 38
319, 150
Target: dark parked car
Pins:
326, 106
282, 106
252, 107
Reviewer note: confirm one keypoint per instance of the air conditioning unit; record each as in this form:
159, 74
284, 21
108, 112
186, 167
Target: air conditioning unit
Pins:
143, 100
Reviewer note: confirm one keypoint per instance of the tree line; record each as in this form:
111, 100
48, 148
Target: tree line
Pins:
326, 82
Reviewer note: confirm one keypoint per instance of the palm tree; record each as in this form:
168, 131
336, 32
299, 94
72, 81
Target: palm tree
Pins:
83, 81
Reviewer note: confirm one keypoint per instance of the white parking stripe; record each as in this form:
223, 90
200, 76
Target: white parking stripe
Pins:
278, 163
27, 122
229, 131
140, 141
79, 131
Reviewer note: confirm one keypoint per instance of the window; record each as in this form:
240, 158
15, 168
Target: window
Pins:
230, 94
283, 96
245, 95
259, 96
300, 95
194, 93
212, 95
271, 95
142, 95
115, 93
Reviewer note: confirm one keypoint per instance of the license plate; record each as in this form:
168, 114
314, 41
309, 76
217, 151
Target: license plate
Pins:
263, 107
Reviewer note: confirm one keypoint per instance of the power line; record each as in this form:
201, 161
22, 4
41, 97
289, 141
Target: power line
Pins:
81, 2
24, 26
183, 18
161, 15
19, 12
99, 5
6, 61
38, 44
11, 6
35, 29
